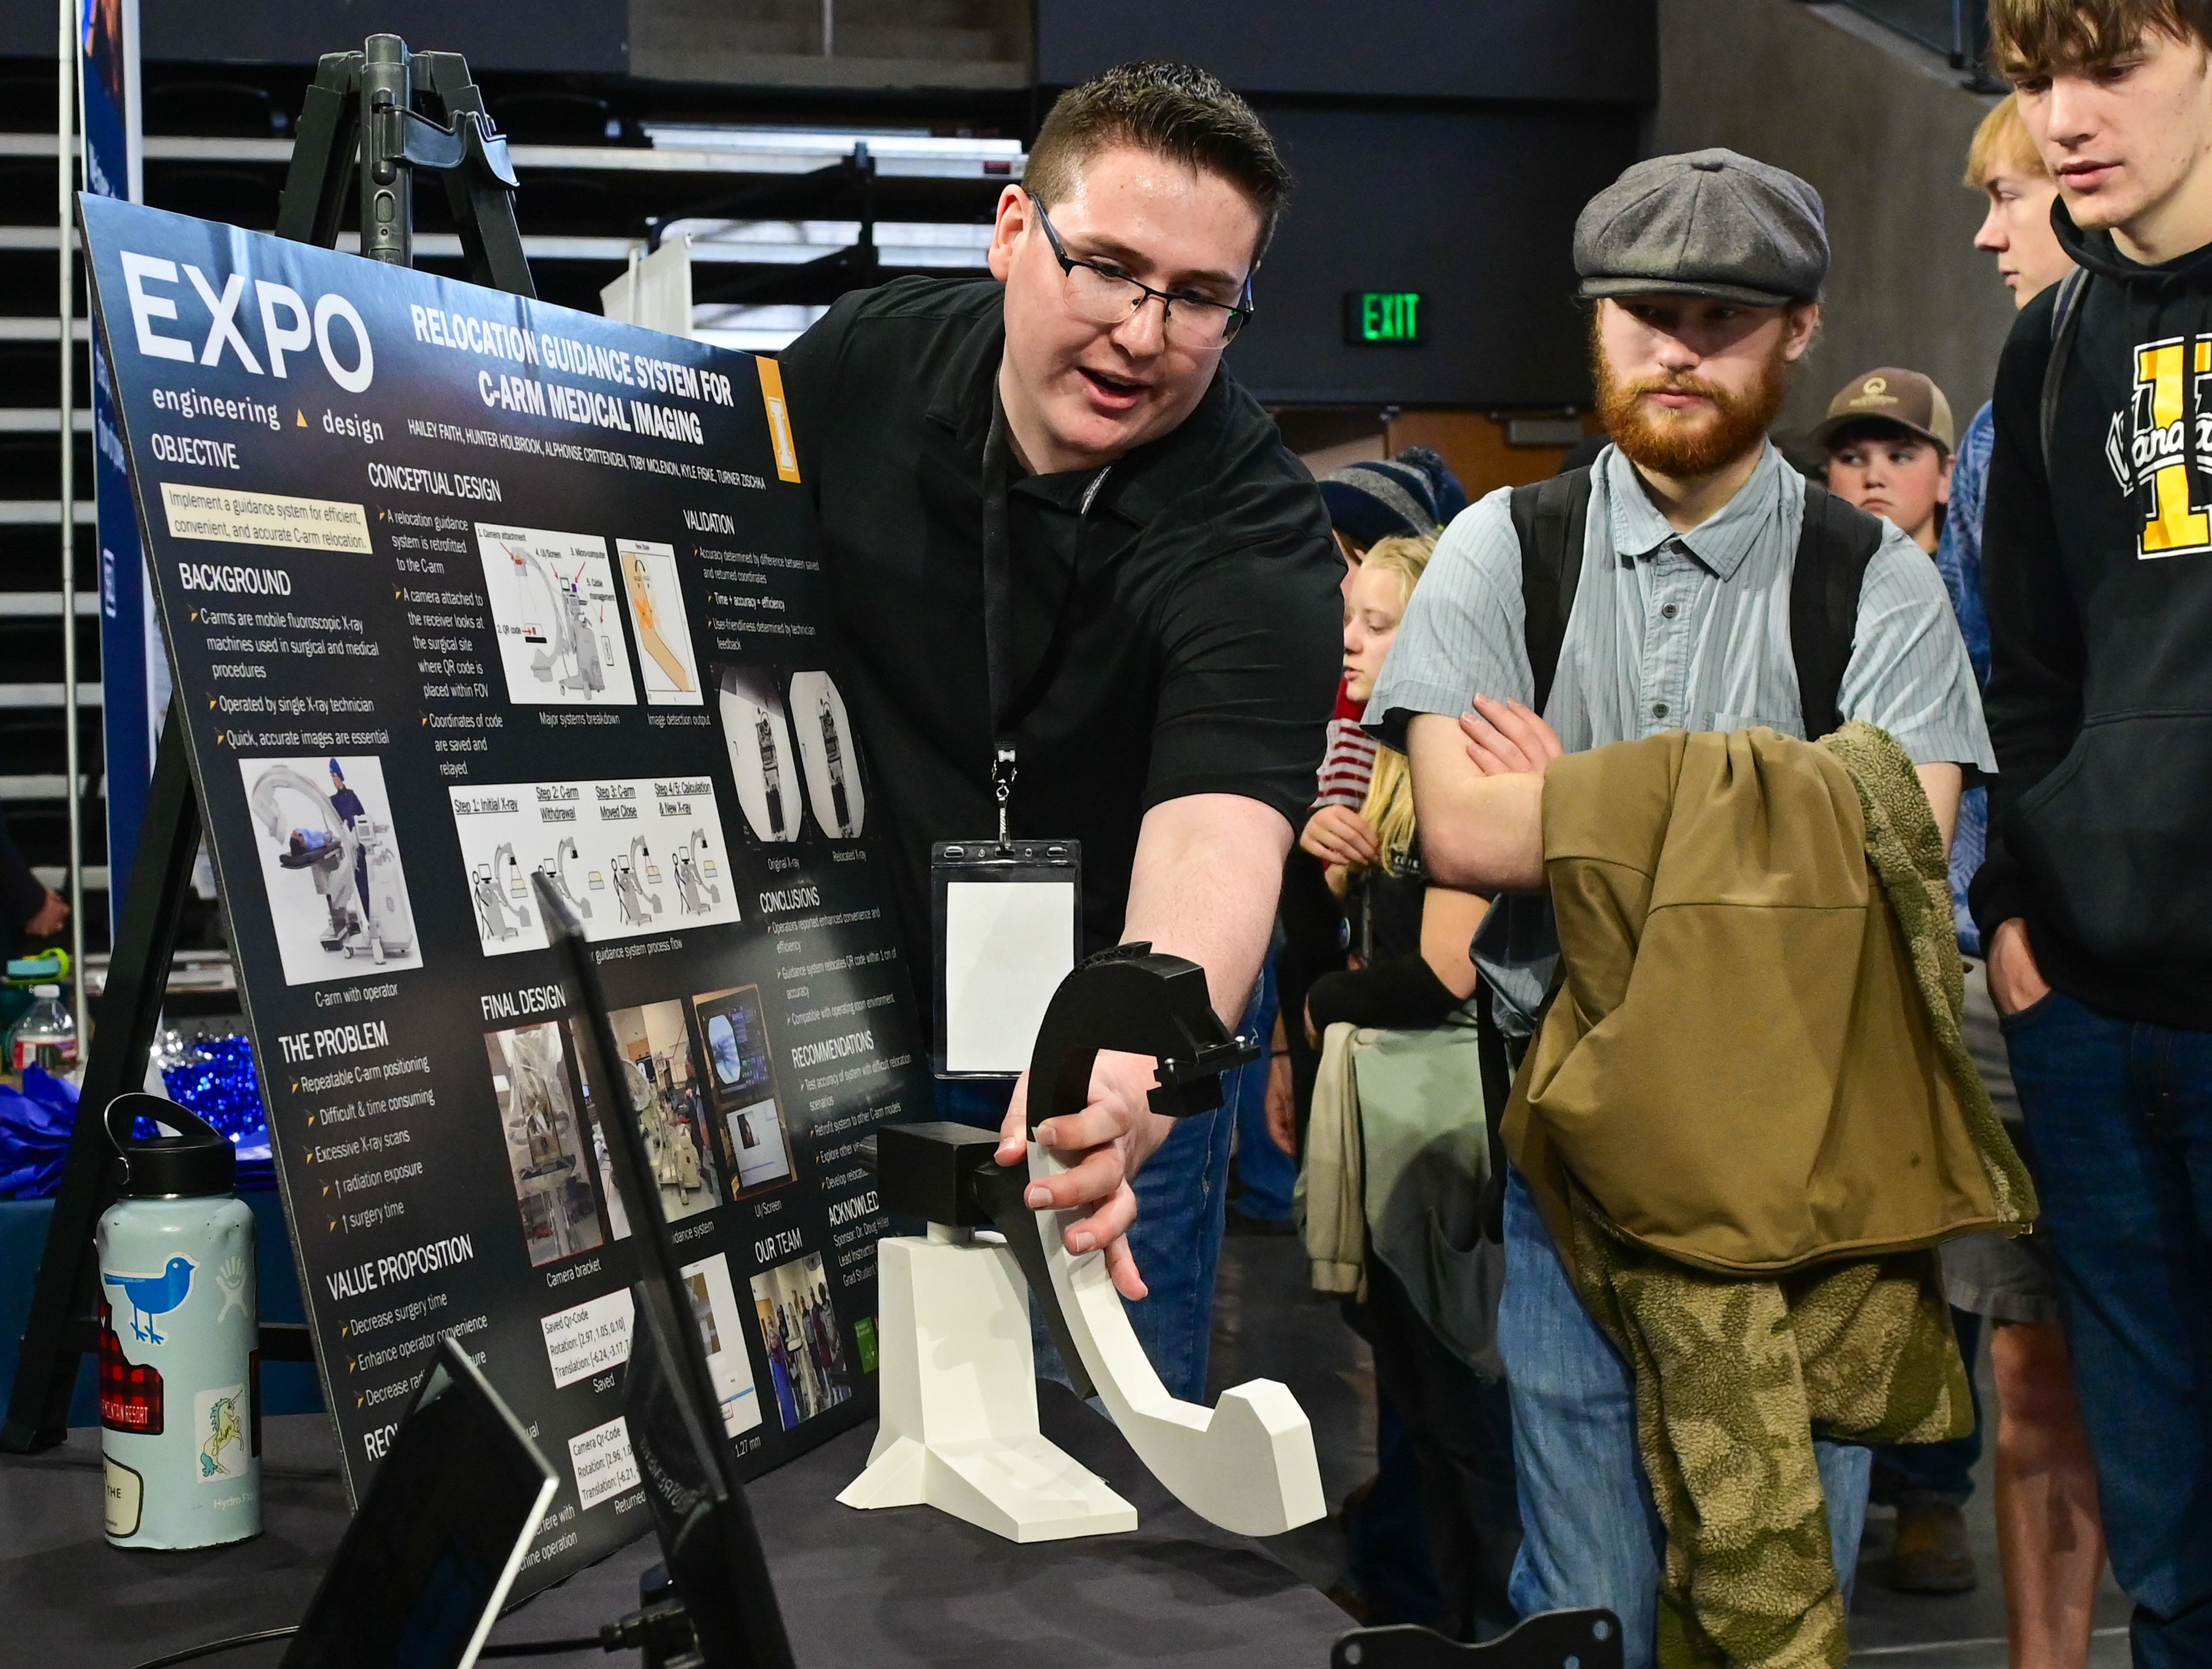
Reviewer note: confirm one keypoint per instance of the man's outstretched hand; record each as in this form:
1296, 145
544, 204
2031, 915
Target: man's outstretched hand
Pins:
1102, 1147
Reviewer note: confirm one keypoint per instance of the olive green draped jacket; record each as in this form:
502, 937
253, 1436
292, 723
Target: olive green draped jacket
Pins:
1748, 1120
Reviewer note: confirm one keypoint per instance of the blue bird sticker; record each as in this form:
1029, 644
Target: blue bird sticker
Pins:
153, 1295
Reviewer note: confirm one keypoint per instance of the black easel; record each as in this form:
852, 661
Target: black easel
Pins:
361, 102
65, 1308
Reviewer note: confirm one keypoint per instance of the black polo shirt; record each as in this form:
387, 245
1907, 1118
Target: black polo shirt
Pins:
1177, 615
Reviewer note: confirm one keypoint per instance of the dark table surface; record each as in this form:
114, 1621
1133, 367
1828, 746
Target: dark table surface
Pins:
895, 1587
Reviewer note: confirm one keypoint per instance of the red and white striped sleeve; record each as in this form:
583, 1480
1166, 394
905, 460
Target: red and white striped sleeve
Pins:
1347, 766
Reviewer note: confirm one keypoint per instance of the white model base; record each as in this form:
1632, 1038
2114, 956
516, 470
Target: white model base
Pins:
1247, 1464
958, 1380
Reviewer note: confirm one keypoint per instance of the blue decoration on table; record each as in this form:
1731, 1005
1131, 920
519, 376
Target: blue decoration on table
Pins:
35, 1134
217, 1079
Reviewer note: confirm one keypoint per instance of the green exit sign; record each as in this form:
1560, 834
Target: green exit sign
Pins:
1385, 319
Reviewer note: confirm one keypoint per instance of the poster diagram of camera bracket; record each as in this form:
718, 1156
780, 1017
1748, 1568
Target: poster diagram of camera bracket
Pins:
825, 743
670, 670
553, 606
633, 856
330, 866
534, 1077
757, 733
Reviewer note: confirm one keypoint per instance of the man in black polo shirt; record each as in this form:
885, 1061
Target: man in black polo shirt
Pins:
1172, 601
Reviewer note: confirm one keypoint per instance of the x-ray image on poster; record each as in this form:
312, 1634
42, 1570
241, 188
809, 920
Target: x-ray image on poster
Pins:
553, 608
758, 734
530, 1073
670, 670
533, 581
825, 743
330, 868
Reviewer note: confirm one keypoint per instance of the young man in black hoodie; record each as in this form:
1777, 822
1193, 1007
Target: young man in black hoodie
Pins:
2095, 901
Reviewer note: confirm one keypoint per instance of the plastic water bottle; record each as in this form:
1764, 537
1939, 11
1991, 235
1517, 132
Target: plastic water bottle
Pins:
46, 1035
178, 1367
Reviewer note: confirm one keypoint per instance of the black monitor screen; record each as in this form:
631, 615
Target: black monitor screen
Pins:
699, 1507
428, 1559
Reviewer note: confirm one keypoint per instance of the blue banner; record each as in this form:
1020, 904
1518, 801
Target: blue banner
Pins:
135, 669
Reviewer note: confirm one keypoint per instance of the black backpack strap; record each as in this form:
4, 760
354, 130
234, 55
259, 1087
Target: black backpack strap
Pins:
2065, 319
1497, 1071
1548, 517
1835, 543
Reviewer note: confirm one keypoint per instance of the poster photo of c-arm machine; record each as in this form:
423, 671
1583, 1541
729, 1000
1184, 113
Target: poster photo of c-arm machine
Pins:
462, 590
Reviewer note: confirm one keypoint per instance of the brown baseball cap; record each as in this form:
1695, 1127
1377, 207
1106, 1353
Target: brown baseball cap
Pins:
1893, 395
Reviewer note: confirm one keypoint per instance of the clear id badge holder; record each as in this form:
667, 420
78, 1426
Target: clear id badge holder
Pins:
1007, 920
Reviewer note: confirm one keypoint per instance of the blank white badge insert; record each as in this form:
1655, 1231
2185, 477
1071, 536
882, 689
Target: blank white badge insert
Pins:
1007, 946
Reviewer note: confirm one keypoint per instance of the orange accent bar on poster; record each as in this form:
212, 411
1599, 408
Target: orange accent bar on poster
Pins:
779, 419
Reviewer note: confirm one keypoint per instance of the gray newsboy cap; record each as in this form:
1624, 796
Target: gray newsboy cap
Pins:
1710, 223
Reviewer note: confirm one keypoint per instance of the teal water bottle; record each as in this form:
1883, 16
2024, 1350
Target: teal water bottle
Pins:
178, 1398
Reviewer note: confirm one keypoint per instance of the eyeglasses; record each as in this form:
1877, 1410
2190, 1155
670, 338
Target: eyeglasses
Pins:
1103, 295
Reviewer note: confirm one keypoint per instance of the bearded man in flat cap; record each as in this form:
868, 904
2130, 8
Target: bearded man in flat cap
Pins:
1688, 580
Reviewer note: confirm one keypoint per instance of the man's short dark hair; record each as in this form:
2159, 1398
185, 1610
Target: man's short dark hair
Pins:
1175, 110
2033, 38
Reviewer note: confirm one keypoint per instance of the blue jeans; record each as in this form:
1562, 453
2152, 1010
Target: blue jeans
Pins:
1266, 1173
1182, 1194
2121, 1118
1590, 1535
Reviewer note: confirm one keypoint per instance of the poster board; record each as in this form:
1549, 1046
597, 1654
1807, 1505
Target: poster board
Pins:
542, 588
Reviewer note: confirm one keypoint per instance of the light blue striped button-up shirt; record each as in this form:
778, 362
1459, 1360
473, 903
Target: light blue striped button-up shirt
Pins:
1673, 631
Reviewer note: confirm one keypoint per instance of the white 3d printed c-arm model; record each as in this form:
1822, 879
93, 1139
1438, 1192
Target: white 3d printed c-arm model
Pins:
1247, 1464
959, 1423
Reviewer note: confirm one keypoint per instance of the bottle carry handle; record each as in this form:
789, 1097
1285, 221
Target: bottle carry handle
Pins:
192, 1130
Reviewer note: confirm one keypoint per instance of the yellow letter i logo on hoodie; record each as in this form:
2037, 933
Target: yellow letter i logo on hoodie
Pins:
2163, 382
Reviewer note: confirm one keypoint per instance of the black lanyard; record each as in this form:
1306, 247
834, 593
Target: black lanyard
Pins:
999, 610
998, 602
